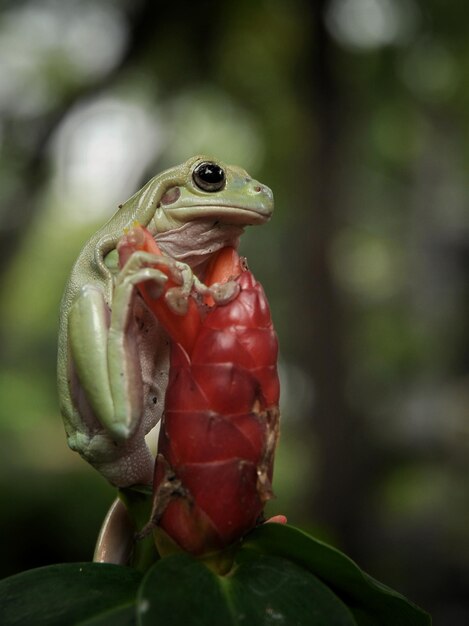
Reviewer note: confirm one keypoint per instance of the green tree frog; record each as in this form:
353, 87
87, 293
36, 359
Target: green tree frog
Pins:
113, 356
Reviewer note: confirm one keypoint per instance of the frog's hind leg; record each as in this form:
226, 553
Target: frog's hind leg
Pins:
103, 347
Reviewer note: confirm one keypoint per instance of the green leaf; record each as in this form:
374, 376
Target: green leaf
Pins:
121, 616
261, 590
72, 593
280, 576
371, 602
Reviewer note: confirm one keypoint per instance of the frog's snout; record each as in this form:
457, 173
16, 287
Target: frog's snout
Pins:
257, 187
260, 192
264, 190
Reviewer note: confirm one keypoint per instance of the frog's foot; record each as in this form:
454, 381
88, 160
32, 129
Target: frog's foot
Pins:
140, 260
122, 463
133, 276
144, 266
177, 298
221, 293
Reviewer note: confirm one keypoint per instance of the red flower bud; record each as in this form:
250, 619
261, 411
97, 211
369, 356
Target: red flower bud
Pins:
216, 447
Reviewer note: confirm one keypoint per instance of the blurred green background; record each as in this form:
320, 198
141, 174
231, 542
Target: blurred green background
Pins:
356, 113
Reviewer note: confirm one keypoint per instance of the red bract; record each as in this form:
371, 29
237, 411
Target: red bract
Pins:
218, 435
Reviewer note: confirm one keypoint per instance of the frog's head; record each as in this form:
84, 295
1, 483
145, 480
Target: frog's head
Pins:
205, 188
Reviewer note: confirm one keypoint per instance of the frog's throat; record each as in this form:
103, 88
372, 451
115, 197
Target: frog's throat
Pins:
195, 241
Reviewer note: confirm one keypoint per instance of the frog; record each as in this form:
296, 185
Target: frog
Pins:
113, 356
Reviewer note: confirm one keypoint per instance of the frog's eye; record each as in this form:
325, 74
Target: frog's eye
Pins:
209, 176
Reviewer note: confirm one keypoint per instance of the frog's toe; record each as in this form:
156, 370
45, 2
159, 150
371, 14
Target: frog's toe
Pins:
78, 442
120, 431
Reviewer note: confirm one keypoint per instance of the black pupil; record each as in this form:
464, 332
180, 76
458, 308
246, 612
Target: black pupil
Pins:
210, 173
209, 176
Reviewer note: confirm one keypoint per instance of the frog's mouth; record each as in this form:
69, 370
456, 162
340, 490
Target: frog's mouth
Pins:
233, 214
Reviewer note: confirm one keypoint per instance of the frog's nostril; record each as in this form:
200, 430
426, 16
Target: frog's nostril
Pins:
258, 188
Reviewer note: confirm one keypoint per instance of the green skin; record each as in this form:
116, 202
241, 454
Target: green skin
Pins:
113, 356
